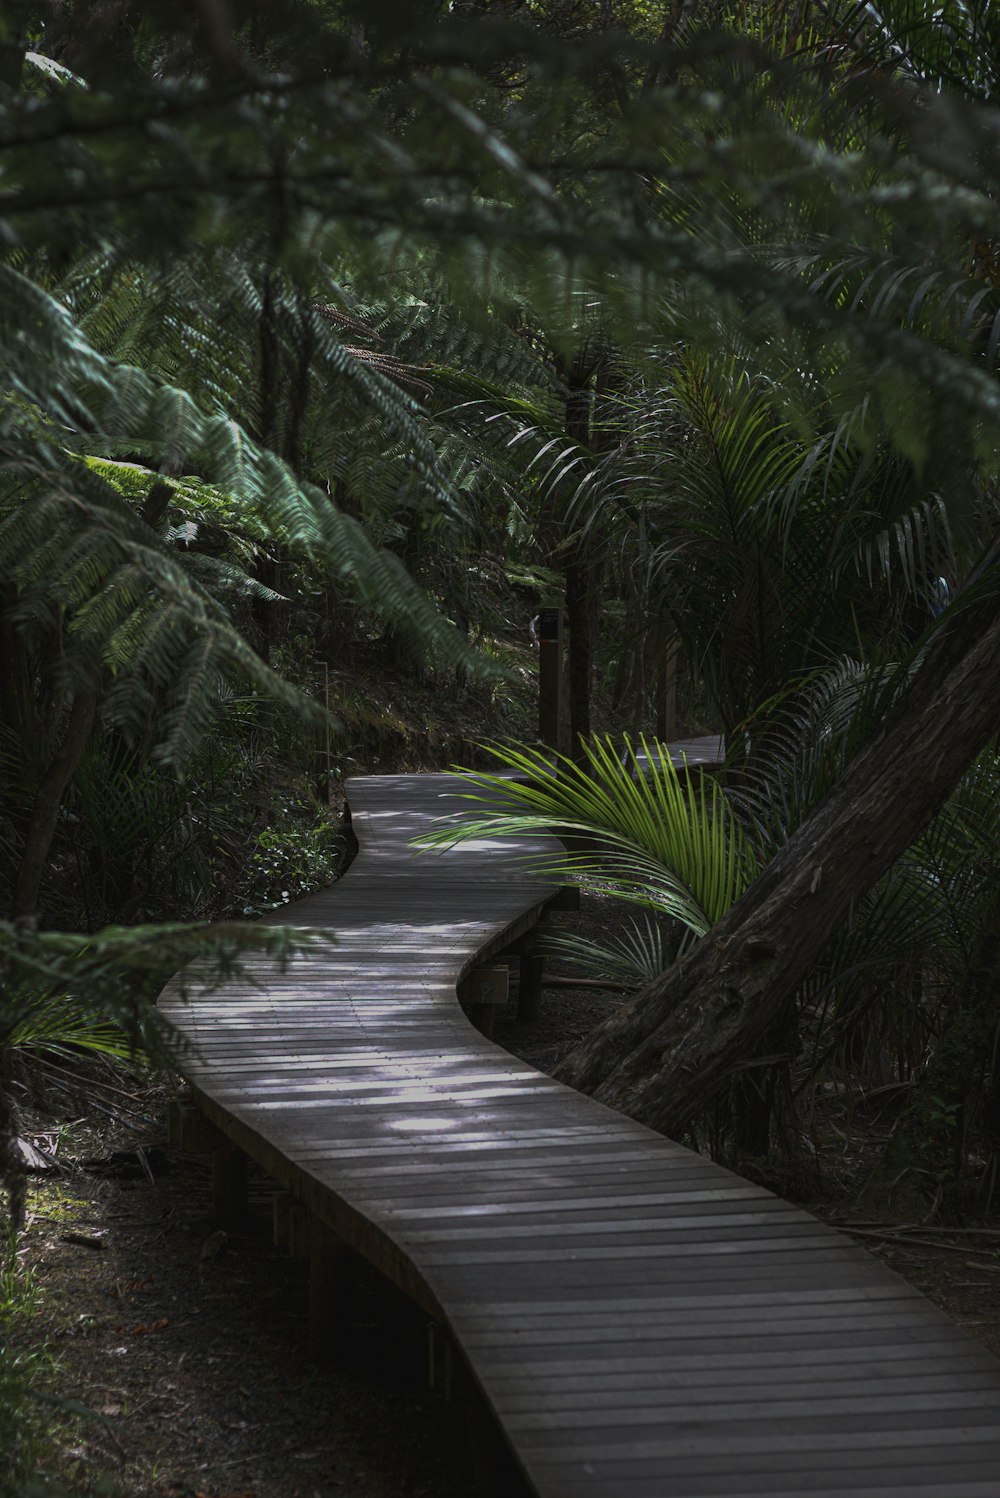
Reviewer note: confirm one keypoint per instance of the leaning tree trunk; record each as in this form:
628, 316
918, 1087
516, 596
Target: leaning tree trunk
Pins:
662, 1059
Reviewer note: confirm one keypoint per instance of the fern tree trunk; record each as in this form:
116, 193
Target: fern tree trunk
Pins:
583, 604
590, 384
13, 50
581, 600
666, 1056
45, 811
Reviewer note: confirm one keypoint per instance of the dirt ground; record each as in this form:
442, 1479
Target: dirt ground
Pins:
188, 1345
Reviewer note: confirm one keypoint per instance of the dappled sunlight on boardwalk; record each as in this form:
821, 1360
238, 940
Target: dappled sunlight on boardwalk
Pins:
642, 1323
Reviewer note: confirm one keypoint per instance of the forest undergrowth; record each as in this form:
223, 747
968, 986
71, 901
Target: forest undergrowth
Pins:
167, 1358
153, 1355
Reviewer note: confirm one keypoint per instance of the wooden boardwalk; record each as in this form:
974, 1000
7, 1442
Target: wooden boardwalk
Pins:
642, 1323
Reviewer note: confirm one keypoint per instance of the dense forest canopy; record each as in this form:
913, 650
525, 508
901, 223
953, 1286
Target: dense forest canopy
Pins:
337, 337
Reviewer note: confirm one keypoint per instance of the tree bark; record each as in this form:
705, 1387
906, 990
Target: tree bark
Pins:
13, 50
662, 1059
582, 609
590, 422
45, 811
100, 41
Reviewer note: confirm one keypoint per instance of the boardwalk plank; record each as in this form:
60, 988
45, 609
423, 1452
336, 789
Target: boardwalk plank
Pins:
641, 1322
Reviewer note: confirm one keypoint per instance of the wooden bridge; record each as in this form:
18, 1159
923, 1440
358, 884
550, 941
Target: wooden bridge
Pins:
640, 1322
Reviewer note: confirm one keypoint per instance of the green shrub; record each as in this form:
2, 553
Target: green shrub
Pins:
291, 858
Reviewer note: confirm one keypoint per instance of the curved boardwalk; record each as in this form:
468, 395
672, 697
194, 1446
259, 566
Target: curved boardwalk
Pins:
642, 1323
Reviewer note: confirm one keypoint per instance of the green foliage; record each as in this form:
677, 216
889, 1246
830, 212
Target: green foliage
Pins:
61, 1026
312, 321
638, 827
794, 748
22, 1373
629, 959
39, 1426
289, 861
952, 46
137, 607
770, 539
60, 986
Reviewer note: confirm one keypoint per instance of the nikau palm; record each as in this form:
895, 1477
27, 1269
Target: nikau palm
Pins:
657, 835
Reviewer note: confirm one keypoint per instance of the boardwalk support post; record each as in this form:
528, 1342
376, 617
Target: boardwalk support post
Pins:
328, 1269
551, 677
281, 1203
188, 1129
481, 993
532, 967
290, 1225
298, 1230
440, 1366
229, 1182
531, 960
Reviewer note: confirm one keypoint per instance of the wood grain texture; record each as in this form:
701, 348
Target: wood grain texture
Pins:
640, 1321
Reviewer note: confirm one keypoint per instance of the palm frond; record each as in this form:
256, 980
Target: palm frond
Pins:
629, 959
637, 826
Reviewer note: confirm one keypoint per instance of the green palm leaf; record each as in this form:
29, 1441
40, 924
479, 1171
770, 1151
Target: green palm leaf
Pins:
628, 959
637, 826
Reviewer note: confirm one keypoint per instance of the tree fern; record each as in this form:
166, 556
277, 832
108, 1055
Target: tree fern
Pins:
109, 974
69, 541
